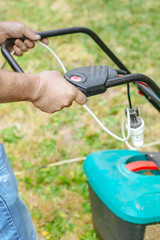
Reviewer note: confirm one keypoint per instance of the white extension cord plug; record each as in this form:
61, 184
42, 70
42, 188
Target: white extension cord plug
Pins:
137, 127
137, 135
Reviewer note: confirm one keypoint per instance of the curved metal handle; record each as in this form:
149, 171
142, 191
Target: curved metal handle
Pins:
137, 77
59, 32
65, 31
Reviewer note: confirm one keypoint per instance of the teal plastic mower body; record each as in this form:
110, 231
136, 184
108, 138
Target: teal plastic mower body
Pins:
124, 203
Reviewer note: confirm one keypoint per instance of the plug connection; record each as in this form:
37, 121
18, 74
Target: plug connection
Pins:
137, 127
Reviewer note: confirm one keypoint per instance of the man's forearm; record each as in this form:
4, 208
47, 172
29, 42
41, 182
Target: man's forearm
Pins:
48, 91
16, 87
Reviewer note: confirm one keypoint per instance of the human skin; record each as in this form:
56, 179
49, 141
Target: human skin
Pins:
13, 29
48, 90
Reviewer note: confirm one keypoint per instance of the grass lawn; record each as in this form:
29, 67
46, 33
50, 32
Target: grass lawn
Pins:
58, 196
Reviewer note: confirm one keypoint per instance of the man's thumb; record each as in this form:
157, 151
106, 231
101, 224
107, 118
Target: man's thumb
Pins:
31, 35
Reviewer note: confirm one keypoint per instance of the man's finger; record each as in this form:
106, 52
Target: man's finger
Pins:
45, 41
17, 51
80, 97
30, 34
29, 43
21, 45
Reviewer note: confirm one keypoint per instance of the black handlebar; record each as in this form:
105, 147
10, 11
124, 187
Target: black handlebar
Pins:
59, 32
137, 77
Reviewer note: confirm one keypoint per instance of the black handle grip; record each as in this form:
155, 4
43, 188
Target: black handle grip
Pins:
91, 80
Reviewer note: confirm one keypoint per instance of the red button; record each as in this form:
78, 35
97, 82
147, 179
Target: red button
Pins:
75, 78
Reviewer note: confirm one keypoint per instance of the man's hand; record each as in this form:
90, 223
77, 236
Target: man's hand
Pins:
19, 30
54, 93
48, 91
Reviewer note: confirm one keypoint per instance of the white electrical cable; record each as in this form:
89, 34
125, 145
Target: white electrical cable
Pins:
108, 131
151, 144
87, 108
143, 146
124, 139
55, 55
54, 164
123, 134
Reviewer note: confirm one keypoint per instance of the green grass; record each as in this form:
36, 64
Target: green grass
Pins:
58, 197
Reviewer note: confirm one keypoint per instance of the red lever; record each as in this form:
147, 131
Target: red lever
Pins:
144, 85
141, 165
